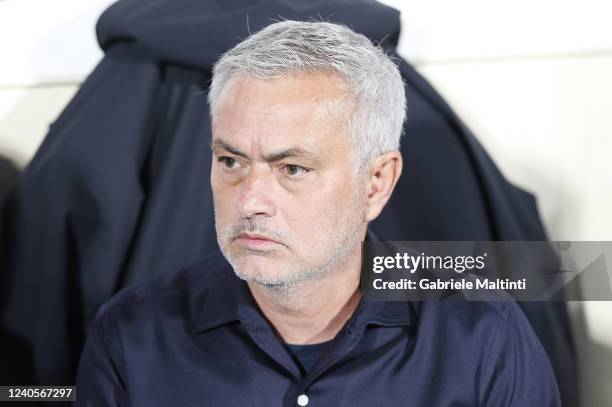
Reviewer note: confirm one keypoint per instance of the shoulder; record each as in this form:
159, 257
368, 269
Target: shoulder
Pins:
170, 290
498, 344
487, 331
146, 319
467, 315
471, 317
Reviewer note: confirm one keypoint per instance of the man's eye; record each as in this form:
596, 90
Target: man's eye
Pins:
295, 170
229, 162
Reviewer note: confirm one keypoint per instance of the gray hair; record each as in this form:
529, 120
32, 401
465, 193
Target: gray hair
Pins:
372, 78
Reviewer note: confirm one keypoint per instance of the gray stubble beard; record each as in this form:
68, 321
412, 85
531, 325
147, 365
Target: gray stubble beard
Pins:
290, 285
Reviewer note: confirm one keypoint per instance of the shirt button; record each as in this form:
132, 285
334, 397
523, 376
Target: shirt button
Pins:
302, 400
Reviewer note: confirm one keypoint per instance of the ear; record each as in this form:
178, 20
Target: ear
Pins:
382, 177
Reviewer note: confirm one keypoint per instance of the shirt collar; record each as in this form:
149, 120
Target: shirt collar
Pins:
382, 313
227, 299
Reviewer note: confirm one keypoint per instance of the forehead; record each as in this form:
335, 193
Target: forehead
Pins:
306, 109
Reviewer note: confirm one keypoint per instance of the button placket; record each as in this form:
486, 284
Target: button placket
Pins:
346, 344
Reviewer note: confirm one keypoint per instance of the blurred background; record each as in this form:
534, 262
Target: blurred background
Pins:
533, 80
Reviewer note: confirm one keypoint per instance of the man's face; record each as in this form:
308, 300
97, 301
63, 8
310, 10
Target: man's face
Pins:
288, 203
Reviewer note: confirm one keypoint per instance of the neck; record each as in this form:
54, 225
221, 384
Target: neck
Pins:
313, 311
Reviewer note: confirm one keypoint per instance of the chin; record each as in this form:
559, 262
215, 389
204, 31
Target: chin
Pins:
260, 269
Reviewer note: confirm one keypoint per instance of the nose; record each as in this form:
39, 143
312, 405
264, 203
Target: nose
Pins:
256, 198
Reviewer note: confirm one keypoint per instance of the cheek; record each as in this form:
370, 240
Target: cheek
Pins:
323, 210
223, 201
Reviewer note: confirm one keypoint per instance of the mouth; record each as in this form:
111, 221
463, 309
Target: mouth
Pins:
255, 241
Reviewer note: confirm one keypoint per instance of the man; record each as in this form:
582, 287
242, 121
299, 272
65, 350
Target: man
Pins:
306, 120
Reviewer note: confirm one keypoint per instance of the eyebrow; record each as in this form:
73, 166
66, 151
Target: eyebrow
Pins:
222, 144
280, 155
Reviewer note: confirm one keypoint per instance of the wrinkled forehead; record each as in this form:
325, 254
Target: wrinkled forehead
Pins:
309, 110
291, 85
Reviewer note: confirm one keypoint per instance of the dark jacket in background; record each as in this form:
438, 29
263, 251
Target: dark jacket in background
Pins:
119, 190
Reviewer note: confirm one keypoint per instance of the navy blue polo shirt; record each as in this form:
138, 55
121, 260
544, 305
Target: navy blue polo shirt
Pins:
197, 338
